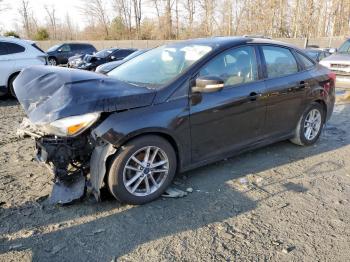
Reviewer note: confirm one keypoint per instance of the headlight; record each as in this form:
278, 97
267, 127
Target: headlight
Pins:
71, 126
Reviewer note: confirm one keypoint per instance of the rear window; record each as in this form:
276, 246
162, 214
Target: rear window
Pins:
37, 48
279, 61
14, 48
345, 48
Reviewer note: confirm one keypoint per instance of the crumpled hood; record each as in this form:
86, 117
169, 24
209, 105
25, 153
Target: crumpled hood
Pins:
49, 93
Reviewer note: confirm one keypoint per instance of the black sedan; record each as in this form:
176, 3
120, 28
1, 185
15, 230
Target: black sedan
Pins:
171, 109
107, 67
90, 62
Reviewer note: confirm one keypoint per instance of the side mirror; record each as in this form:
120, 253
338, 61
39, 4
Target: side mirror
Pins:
332, 50
113, 57
59, 50
208, 84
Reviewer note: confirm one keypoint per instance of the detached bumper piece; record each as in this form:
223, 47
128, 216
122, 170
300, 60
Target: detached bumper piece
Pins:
69, 161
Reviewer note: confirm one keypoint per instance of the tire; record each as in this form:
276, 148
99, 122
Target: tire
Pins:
52, 61
124, 169
302, 137
10, 86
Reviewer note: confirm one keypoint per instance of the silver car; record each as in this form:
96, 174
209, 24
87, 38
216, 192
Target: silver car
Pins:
339, 63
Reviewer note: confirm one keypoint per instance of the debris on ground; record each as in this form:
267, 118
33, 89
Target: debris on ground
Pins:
173, 192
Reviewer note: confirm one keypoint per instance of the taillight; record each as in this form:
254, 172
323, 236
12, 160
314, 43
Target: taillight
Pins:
330, 84
332, 76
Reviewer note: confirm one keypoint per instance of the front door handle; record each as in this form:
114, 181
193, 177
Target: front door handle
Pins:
253, 96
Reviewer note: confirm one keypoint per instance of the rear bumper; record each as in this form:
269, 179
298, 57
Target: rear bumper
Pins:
342, 81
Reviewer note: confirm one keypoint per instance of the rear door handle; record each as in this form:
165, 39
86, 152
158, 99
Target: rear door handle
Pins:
253, 96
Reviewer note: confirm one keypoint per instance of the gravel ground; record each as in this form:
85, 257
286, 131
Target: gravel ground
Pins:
278, 203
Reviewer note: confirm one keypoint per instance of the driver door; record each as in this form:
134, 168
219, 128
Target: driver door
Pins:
232, 118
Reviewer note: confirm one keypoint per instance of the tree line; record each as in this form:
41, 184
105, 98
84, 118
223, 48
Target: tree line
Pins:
181, 19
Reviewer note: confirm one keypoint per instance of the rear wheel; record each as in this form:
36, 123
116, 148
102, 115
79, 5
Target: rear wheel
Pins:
10, 85
142, 170
309, 126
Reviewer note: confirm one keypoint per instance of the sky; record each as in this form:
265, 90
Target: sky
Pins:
9, 18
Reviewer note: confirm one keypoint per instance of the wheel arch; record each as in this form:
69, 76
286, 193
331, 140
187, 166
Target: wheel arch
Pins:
323, 104
165, 135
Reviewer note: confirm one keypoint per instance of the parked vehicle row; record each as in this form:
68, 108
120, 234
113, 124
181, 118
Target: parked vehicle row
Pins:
171, 109
59, 54
15, 55
339, 63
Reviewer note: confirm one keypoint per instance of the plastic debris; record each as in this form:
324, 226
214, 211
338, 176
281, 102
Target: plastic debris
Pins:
173, 192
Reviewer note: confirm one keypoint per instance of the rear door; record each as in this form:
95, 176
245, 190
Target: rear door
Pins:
6, 66
232, 118
10, 55
286, 89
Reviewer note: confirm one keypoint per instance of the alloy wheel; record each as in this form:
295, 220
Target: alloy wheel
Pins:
52, 62
145, 171
312, 124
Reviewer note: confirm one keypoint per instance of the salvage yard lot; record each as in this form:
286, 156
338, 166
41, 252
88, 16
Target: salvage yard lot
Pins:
279, 203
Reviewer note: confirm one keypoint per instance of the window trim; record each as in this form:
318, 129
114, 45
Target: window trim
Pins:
257, 58
263, 61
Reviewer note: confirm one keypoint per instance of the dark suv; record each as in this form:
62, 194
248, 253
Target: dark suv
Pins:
59, 54
171, 109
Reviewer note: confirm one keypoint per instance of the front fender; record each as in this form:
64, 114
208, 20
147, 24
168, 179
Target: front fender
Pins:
169, 118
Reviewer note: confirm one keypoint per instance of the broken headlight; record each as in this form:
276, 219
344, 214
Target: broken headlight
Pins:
71, 126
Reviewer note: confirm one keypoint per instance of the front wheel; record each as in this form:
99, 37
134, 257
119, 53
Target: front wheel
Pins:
142, 170
310, 126
52, 61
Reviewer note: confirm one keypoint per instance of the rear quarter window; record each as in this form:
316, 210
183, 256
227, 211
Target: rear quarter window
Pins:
308, 64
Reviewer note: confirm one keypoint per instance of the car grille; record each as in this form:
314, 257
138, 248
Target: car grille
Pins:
341, 73
340, 66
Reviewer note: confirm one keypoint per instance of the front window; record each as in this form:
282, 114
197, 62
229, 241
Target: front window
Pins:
161, 65
345, 48
53, 48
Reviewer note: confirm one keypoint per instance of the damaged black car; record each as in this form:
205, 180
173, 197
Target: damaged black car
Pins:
171, 109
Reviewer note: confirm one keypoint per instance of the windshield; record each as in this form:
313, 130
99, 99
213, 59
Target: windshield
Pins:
160, 65
53, 48
135, 54
344, 47
312, 54
104, 53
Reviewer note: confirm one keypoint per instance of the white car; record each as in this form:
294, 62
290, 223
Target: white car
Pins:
15, 55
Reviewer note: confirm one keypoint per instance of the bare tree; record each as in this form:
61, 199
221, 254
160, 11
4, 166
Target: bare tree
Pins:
96, 10
124, 10
138, 16
51, 13
24, 12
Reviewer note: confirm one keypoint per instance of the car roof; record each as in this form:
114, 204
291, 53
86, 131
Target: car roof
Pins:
223, 41
16, 40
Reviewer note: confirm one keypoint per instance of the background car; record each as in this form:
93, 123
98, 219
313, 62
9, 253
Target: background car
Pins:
76, 60
59, 54
317, 54
105, 68
174, 108
16, 54
104, 56
339, 63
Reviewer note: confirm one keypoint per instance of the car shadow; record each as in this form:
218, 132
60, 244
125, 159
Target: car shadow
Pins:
97, 232
8, 101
